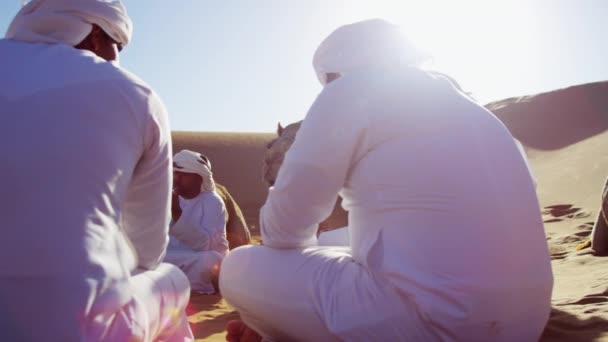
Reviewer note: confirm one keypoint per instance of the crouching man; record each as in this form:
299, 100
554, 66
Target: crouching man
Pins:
198, 233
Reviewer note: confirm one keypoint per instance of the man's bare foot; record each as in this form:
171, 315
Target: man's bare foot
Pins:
238, 331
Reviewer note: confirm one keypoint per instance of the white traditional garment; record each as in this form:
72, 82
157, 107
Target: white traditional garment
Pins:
522, 150
198, 238
599, 234
335, 237
446, 237
86, 176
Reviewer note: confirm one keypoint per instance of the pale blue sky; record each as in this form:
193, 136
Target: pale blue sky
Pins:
229, 65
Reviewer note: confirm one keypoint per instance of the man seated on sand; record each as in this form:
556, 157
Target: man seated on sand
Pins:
85, 178
198, 233
447, 241
599, 235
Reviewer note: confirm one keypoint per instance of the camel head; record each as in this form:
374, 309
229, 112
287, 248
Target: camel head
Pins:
276, 149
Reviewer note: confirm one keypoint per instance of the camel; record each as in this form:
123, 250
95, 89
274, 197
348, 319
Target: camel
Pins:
276, 149
275, 154
237, 232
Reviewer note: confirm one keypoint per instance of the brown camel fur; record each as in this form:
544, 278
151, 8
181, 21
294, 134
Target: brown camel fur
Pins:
237, 232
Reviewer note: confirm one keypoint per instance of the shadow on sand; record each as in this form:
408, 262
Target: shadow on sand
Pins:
564, 326
208, 315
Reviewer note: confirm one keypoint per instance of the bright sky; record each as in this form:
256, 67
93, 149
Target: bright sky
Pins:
241, 65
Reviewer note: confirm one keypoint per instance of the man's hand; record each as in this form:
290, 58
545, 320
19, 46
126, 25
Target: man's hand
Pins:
176, 211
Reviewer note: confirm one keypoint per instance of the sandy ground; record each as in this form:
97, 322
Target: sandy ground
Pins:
208, 315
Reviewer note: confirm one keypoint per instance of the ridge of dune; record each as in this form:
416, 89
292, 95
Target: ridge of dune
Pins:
555, 119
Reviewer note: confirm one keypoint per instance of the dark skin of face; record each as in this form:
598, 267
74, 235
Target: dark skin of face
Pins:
187, 185
101, 44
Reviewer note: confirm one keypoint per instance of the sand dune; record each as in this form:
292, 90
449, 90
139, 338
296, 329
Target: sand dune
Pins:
565, 133
557, 119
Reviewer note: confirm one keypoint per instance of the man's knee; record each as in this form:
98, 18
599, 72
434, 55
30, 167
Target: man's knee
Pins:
176, 277
235, 266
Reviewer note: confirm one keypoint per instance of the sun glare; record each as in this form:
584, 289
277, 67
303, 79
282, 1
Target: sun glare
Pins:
476, 41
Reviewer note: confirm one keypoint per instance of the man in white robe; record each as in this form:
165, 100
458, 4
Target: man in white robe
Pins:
198, 234
446, 237
86, 180
599, 234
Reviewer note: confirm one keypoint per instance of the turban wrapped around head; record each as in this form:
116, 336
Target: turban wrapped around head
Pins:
192, 162
70, 21
363, 44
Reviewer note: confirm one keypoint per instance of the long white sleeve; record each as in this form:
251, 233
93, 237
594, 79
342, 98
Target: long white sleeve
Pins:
315, 168
146, 209
202, 223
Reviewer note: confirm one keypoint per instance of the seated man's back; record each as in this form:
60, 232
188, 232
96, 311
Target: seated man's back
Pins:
85, 171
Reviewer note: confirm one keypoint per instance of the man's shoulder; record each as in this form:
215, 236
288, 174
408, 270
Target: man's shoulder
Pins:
213, 198
124, 75
102, 71
125, 83
40, 67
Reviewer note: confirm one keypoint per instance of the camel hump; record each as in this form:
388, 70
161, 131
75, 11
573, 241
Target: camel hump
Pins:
237, 232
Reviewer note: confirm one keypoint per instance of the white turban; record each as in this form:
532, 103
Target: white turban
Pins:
368, 43
192, 162
70, 21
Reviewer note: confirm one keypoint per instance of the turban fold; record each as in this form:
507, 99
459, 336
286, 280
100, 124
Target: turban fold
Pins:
70, 21
192, 162
368, 43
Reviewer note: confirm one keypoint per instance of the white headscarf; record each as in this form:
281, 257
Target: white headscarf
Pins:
368, 43
192, 162
70, 21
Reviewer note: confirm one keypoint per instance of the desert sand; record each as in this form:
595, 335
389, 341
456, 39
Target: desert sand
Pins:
565, 133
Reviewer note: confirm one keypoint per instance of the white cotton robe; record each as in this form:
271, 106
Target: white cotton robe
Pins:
198, 239
85, 178
446, 237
